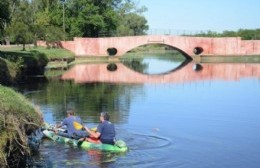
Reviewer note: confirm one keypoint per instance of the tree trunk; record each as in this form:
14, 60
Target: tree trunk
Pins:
7, 41
23, 47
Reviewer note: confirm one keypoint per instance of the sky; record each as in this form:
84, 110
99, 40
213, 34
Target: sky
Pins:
201, 15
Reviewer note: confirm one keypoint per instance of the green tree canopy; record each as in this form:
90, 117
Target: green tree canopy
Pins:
4, 13
245, 34
29, 20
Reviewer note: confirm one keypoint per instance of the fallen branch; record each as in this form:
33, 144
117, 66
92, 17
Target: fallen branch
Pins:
30, 123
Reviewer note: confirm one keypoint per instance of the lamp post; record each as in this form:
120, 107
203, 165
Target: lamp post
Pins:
63, 19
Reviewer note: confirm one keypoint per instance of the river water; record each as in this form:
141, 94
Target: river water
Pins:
171, 115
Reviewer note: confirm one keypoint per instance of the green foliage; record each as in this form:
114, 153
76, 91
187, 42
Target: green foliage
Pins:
4, 14
52, 35
8, 72
19, 33
55, 53
29, 20
19, 28
18, 118
131, 21
245, 34
133, 24
31, 63
16, 104
229, 34
66, 94
90, 18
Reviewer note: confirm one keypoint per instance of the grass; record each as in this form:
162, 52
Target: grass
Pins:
18, 118
231, 59
93, 59
8, 72
53, 53
24, 63
33, 61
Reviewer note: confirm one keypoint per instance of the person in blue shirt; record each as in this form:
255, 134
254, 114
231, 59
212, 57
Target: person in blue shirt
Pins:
74, 126
105, 132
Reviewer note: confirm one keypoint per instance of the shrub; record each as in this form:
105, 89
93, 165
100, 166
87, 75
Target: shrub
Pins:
18, 119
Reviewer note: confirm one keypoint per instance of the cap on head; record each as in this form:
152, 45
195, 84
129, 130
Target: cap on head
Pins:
105, 115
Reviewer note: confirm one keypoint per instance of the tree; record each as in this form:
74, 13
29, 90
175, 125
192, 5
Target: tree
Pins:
21, 22
20, 33
89, 18
82, 18
4, 15
248, 34
131, 22
53, 35
136, 24
6, 11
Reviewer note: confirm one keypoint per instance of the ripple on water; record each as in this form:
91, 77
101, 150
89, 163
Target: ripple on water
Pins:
138, 141
139, 154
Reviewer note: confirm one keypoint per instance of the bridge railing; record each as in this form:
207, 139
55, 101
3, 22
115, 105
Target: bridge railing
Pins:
177, 32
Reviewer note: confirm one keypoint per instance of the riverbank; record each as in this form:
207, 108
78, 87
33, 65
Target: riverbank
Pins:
229, 59
16, 64
18, 119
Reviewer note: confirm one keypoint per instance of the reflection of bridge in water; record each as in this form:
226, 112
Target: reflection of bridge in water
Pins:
88, 73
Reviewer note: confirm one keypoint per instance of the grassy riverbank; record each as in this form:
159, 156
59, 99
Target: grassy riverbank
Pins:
8, 72
230, 59
18, 118
15, 63
51, 54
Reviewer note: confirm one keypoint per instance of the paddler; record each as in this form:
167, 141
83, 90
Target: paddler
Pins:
74, 126
105, 132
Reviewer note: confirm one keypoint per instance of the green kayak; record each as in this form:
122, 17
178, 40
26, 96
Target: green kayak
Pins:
120, 145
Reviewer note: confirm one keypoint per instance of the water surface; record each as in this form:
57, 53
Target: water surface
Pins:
189, 117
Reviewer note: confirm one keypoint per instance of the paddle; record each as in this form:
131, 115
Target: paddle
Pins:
78, 126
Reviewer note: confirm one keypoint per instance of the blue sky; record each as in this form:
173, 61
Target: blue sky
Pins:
197, 15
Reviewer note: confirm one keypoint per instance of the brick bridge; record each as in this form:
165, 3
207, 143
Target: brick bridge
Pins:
190, 46
88, 73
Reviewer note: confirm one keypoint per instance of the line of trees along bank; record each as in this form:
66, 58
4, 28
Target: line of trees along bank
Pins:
25, 21
245, 34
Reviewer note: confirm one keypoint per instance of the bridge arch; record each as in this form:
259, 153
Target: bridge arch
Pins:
188, 57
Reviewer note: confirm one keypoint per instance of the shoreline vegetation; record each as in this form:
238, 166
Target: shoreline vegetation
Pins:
18, 119
16, 64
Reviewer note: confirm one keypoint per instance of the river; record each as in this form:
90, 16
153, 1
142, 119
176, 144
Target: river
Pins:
171, 114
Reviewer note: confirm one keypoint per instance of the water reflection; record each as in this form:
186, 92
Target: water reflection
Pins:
155, 64
213, 115
87, 100
89, 73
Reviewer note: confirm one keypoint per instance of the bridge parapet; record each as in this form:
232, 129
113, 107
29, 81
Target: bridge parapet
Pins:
188, 45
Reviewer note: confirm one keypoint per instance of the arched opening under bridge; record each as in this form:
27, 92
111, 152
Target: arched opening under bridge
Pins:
159, 48
155, 59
